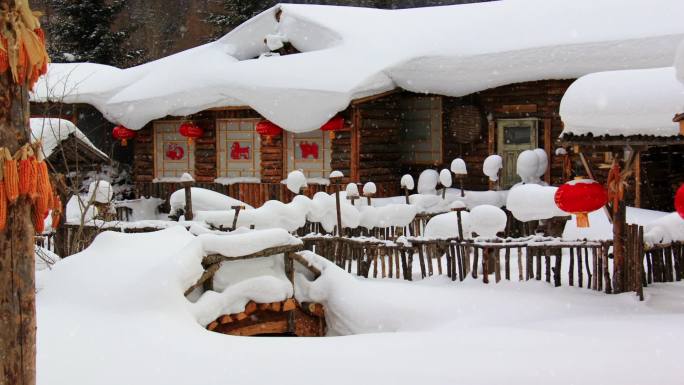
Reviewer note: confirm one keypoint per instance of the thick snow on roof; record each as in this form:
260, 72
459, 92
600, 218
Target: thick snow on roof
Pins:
350, 52
679, 62
636, 102
52, 131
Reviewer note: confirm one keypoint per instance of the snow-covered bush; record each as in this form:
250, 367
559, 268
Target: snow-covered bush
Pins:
491, 166
458, 167
530, 202
427, 182
487, 221
296, 181
445, 178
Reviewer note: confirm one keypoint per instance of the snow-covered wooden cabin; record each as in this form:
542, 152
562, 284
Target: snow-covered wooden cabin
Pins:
413, 89
627, 117
65, 147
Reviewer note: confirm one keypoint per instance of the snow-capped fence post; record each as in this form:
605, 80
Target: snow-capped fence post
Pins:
187, 186
352, 192
335, 178
407, 184
369, 190
458, 167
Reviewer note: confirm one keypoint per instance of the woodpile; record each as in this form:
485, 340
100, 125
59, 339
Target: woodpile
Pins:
287, 317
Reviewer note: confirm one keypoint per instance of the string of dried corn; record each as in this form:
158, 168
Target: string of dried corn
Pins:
11, 178
22, 47
3, 195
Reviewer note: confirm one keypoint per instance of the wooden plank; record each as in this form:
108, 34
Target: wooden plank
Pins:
215, 258
547, 148
516, 108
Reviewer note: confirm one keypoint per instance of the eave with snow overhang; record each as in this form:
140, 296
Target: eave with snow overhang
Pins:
618, 108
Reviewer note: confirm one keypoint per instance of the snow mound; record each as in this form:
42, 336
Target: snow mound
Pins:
295, 181
491, 166
407, 182
458, 167
204, 200
271, 215
237, 245
669, 228
100, 191
369, 188
531, 202
445, 178
445, 226
427, 182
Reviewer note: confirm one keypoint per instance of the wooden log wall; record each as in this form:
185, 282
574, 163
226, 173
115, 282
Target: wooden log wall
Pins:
661, 175
272, 160
539, 99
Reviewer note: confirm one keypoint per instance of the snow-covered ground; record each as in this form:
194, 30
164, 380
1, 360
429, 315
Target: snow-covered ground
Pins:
117, 315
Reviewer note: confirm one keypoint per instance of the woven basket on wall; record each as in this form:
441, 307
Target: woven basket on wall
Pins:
465, 124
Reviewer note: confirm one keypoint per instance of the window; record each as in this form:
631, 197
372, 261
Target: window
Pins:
172, 156
308, 151
238, 148
421, 129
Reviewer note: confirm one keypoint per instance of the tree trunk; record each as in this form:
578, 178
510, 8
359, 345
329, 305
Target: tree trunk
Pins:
17, 266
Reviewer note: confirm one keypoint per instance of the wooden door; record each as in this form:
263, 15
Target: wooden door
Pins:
514, 136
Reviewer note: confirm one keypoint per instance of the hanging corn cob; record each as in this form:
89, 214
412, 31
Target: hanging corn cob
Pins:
9, 166
43, 188
22, 44
3, 197
56, 211
33, 182
26, 171
38, 221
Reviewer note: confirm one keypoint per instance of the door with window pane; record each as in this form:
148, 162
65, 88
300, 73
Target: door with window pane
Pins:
514, 136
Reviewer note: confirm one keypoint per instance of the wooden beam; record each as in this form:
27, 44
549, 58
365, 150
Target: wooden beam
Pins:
304, 262
547, 147
355, 144
215, 258
374, 97
637, 180
590, 173
208, 274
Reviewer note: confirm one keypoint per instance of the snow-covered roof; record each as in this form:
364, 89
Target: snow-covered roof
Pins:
349, 52
51, 131
636, 102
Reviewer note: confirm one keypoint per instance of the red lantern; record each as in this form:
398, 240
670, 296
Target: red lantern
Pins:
580, 197
123, 134
332, 125
268, 129
191, 131
679, 201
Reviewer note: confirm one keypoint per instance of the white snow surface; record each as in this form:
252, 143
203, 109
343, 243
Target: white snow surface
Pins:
531, 202
491, 166
601, 229
272, 214
369, 51
100, 191
241, 244
115, 314
52, 131
204, 200
667, 229
632, 102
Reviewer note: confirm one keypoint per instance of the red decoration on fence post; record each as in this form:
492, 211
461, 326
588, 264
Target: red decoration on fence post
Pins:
268, 130
580, 197
191, 131
679, 201
123, 134
332, 125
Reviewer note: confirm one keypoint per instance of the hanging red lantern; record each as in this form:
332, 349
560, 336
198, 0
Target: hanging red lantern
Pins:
191, 131
332, 125
679, 201
123, 134
580, 197
268, 130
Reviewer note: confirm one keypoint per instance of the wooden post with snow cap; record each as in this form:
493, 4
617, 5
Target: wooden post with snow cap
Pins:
458, 207
458, 167
369, 190
407, 184
352, 191
237, 212
187, 181
335, 178
445, 180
